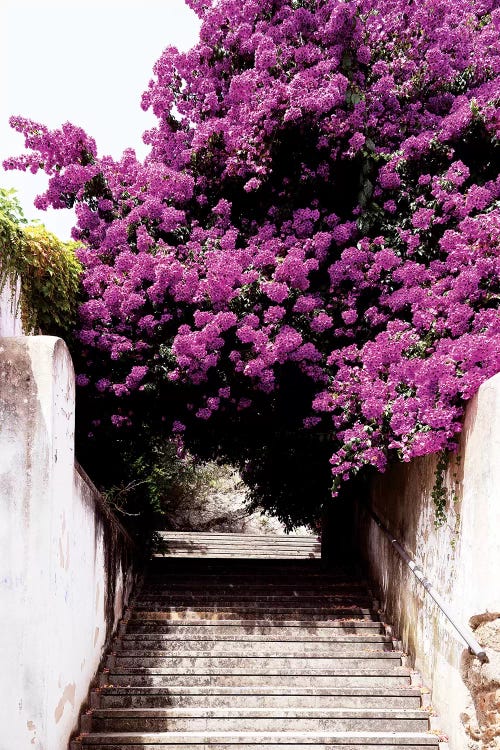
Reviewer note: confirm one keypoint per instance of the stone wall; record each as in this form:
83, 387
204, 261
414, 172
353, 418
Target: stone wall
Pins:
10, 316
66, 563
461, 559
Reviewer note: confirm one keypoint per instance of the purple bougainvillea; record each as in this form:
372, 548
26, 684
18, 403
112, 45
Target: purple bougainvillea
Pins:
322, 191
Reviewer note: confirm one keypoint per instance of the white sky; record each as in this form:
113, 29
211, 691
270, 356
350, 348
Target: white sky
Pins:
86, 62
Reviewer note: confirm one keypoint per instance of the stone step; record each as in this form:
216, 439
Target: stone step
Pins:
246, 597
222, 580
239, 545
241, 599
227, 635
242, 549
242, 553
242, 546
250, 661
258, 645
277, 570
240, 542
227, 551
265, 740
255, 719
222, 651
255, 697
307, 569
306, 566
170, 580
235, 539
216, 585
174, 534
312, 567
215, 555
293, 605
383, 676
258, 579
216, 628
309, 614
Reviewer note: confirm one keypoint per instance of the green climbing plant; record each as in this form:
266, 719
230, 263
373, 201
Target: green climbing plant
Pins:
47, 268
439, 492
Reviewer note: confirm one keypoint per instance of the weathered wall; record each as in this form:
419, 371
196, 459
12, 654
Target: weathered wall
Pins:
66, 564
10, 317
461, 559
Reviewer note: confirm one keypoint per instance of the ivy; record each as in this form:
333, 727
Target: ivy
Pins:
439, 492
47, 268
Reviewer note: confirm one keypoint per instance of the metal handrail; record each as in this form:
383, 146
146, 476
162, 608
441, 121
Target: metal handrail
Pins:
474, 647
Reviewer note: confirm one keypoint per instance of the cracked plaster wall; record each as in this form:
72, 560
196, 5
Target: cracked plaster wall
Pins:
10, 316
66, 565
462, 561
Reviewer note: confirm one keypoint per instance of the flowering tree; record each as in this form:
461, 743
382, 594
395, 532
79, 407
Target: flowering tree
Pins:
311, 247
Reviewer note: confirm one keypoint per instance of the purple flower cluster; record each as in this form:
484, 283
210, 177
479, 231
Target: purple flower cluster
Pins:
322, 189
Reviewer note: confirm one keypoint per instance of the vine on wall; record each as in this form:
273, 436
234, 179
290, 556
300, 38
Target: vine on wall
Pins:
441, 494
47, 268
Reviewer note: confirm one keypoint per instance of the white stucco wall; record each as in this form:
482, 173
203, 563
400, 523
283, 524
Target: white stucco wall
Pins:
10, 317
65, 564
461, 559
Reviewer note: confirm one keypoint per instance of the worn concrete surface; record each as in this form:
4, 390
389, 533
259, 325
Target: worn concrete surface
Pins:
65, 565
461, 559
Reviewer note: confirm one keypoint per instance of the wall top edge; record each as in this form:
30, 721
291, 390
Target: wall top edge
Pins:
104, 507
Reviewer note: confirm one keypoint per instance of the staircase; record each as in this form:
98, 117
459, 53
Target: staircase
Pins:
241, 641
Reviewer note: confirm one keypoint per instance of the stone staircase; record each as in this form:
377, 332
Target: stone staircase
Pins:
238, 641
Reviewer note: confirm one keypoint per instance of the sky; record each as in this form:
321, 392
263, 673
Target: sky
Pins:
85, 62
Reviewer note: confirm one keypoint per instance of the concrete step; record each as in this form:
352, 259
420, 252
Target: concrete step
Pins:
383, 676
210, 638
243, 551
174, 534
251, 661
265, 740
209, 590
255, 697
255, 719
222, 651
235, 540
275, 570
215, 553
172, 580
185, 544
283, 629
167, 571
240, 598
258, 645
309, 614
312, 569
307, 565
216, 586
242, 547
290, 607
240, 593
239, 542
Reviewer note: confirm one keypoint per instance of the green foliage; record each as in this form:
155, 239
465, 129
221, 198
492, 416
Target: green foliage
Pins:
170, 480
47, 268
10, 206
439, 492
163, 490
